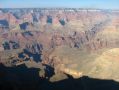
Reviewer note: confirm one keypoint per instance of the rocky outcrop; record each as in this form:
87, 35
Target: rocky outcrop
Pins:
100, 64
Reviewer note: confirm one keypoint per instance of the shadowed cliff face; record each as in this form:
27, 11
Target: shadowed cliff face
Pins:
22, 78
77, 43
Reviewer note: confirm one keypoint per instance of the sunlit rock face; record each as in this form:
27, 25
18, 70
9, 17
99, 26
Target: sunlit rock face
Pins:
76, 42
101, 64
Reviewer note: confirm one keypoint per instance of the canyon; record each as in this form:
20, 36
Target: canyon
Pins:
78, 42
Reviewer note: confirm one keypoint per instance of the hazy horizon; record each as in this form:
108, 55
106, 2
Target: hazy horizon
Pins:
98, 4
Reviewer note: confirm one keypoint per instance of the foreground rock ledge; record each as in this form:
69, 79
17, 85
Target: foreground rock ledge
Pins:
101, 64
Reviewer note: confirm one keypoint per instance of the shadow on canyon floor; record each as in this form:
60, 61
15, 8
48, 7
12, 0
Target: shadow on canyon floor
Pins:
23, 78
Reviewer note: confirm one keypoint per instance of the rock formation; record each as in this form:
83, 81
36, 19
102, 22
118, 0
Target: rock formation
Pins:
69, 41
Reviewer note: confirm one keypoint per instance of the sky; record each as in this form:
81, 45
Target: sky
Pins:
100, 4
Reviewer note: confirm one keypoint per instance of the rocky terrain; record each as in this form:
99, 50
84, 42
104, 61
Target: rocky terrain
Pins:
61, 42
